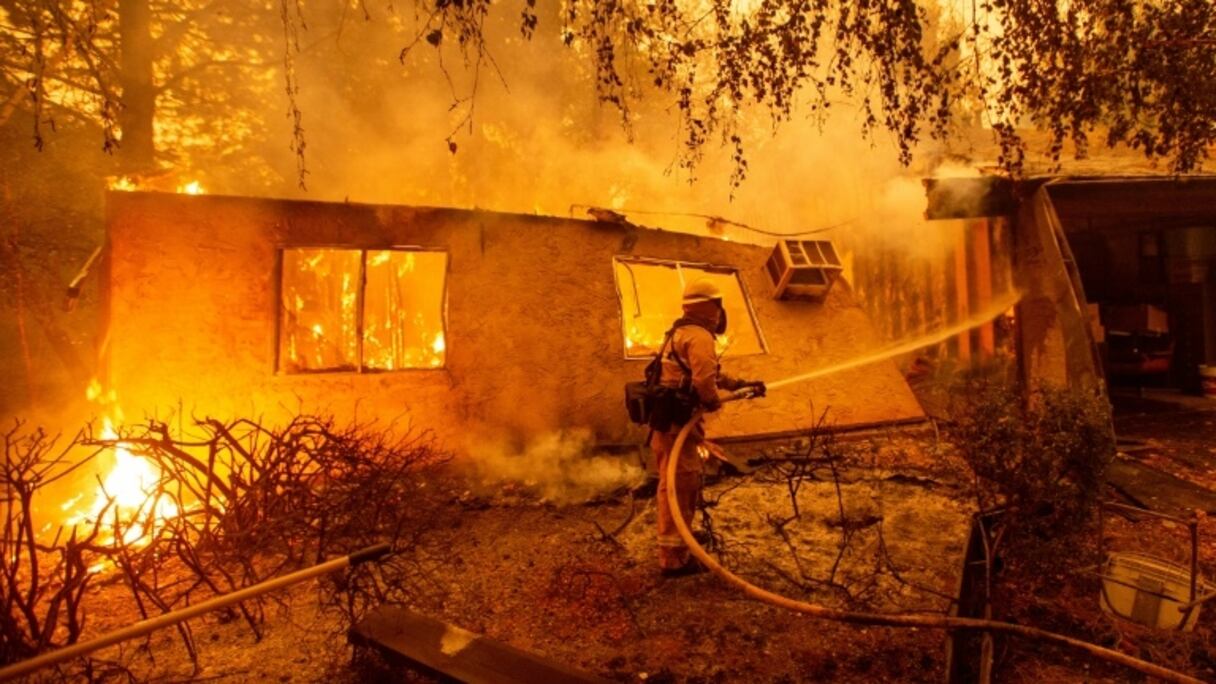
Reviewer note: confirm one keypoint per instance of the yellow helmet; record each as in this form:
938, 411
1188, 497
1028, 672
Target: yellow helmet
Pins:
702, 290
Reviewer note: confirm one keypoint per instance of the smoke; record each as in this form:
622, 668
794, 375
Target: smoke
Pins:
557, 466
896, 222
537, 140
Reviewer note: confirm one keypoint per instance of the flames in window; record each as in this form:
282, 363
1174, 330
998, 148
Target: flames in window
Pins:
651, 295
378, 310
403, 310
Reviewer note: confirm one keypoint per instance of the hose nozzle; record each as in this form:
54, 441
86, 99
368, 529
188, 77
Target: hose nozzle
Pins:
752, 390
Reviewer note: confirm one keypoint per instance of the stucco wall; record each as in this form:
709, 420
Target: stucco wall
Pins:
533, 336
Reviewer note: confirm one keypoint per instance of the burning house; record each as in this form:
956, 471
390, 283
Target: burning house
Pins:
472, 324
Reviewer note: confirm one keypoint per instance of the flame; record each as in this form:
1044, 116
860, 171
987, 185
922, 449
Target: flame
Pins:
641, 342
128, 488
71, 503
388, 319
650, 303
123, 184
93, 391
132, 482
131, 184
646, 335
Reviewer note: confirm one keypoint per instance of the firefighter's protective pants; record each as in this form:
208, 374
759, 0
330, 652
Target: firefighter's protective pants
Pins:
672, 551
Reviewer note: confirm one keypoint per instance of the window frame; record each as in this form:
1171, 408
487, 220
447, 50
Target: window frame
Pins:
359, 368
721, 269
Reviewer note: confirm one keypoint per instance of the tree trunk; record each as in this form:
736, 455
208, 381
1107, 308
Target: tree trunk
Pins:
138, 90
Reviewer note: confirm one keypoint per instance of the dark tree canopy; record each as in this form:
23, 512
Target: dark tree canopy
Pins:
1140, 73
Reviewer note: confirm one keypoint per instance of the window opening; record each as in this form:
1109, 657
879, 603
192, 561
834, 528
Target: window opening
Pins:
364, 310
651, 300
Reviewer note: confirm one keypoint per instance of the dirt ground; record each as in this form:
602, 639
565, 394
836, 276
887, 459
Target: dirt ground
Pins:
601, 605
1059, 586
1177, 434
549, 578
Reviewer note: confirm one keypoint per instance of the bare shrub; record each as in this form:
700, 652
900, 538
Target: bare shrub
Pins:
250, 502
860, 571
42, 581
257, 501
1043, 456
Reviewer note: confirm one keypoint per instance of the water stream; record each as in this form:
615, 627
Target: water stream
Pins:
996, 308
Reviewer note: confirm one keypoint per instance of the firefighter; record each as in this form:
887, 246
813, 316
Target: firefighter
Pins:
689, 367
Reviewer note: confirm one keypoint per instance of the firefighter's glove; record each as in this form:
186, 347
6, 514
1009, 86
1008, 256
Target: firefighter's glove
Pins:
756, 388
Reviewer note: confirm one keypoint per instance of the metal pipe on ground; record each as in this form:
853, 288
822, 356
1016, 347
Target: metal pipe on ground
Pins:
25, 667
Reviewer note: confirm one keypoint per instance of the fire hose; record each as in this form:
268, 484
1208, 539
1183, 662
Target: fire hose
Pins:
370, 553
924, 620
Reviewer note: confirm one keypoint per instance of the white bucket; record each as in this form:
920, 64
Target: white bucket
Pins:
1207, 377
1149, 590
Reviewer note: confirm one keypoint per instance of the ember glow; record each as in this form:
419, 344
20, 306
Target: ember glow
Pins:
191, 188
126, 493
123, 184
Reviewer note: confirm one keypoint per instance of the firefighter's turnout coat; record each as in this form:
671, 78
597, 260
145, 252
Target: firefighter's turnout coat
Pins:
691, 346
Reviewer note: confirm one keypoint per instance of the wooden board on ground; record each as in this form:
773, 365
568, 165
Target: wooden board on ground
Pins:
408, 638
1158, 490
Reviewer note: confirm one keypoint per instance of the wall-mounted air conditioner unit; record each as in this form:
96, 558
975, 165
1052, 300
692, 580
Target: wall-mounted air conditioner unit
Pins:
803, 268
